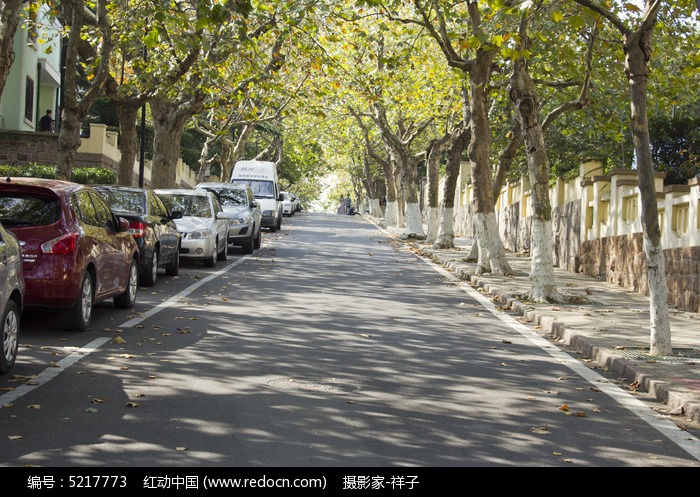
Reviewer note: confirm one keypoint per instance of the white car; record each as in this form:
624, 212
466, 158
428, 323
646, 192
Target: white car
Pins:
287, 209
203, 226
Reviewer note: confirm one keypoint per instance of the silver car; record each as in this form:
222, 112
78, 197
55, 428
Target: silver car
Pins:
203, 226
11, 297
245, 216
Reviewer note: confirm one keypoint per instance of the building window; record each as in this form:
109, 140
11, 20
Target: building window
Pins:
679, 218
630, 209
29, 100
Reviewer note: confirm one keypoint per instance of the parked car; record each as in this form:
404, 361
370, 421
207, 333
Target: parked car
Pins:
243, 211
75, 250
203, 226
11, 297
296, 203
151, 224
286, 204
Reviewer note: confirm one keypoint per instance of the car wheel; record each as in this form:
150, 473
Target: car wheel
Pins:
78, 316
9, 331
223, 253
128, 298
211, 260
173, 269
248, 245
258, 240
150, 273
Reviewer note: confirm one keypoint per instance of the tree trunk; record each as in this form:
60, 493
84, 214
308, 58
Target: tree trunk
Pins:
445, 235
391, 215
128, 138
492, 257
637, 52
523, 95
169, 125
77, 104
9, 19
408, 169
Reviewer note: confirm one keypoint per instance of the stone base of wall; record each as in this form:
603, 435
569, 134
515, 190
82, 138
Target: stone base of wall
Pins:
621, 260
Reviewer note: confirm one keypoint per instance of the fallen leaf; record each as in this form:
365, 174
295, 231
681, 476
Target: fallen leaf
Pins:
180, 448
581, 414
540, 430
91, 410
15, 437
131, 404
34, 406
564, 407
97, 400
119, 340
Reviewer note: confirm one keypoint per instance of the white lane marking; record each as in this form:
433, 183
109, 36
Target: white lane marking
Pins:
184, 293
681, 438
50, 373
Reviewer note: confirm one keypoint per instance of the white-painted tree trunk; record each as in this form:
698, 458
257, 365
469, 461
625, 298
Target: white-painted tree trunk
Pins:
414, 222
392, 215
433, 221
543, 287
446, 233
492, 257
660, 336
375, 209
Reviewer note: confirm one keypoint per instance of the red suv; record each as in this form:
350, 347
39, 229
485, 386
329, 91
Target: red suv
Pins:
75, 250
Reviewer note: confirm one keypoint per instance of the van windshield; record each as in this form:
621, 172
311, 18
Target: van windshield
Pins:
261, 188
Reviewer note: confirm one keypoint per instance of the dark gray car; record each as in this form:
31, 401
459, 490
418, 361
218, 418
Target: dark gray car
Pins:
11, 297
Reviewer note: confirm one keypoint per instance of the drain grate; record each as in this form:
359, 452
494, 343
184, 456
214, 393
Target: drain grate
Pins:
642, 354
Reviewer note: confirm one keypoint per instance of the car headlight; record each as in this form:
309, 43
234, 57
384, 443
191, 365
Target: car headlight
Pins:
199, 234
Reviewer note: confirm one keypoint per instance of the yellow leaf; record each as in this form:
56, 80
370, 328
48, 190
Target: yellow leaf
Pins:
564, 407
34, 406
119, 340
180, 448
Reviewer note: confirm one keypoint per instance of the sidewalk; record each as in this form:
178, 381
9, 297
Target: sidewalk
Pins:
605, 324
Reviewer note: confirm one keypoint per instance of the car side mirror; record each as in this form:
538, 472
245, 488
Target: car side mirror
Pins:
255, 204
221, 215
176, 215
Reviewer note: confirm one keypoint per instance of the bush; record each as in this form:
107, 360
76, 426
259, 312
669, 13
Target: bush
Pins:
83, 175
28, 170
94, 175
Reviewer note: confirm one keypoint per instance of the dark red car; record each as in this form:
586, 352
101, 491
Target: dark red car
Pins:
75, 250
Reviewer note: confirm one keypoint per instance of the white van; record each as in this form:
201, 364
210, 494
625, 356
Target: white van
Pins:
262, 178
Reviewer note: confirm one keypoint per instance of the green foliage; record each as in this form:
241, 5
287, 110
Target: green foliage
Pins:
83, 175
94, 175
28, 170
675, 144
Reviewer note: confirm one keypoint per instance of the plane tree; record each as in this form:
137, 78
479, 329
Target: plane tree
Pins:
636, 27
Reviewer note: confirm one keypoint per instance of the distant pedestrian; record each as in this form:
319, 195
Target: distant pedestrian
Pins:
348, 204
341, 206
46, 123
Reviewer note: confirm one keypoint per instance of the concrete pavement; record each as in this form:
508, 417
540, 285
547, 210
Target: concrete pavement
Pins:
604, 324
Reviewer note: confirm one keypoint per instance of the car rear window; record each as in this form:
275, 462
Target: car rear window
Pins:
189, 205
125, 200
17, 210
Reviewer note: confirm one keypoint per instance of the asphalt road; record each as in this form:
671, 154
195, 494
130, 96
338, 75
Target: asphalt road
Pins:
331, 346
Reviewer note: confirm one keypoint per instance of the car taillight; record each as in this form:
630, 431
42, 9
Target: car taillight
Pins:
62, 245
137, 229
